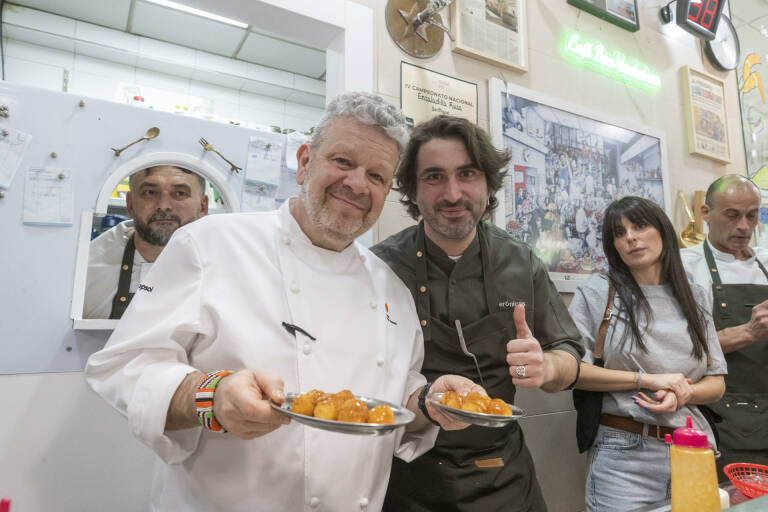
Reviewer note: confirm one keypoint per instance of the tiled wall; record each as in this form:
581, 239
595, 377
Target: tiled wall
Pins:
45, 67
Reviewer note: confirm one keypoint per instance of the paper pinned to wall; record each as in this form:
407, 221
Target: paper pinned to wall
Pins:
265, 155
293, 141
48, 197
258, 197
12, 149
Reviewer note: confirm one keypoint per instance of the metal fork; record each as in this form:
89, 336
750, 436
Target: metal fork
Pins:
467, 352
208, 147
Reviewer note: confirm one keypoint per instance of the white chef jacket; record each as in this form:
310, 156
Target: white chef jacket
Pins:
731, 270
105, 256
215, 299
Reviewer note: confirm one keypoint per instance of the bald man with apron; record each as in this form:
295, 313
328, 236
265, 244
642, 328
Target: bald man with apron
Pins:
737, 276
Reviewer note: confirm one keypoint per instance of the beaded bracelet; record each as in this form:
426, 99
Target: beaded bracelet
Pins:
204, 400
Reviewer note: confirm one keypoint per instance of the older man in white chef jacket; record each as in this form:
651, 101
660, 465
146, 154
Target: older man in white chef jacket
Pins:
288, 302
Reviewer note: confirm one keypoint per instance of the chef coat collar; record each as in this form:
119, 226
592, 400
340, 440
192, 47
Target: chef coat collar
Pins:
730, 258
438, 256
331, 261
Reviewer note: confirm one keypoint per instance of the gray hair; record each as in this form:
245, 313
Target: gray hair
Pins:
367, 109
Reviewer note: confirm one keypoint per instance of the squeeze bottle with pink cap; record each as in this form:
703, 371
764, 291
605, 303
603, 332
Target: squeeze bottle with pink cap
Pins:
694, 477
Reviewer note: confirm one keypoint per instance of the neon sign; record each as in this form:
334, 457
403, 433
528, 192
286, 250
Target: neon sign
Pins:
614, 64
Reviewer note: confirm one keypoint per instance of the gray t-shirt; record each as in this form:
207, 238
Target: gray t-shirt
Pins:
666, 338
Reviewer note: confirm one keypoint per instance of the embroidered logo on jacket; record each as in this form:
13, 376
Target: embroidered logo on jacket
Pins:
146, 288
386, 307
510, 304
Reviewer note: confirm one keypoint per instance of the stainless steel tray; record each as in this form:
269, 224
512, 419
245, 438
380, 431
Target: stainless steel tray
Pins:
402, 417
477, 418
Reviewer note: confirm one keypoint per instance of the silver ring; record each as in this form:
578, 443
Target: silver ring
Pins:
520, 371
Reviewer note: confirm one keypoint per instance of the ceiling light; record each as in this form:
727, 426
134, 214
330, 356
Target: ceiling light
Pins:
198, 12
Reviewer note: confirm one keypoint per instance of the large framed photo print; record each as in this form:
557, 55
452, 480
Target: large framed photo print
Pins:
568, 164
494, 31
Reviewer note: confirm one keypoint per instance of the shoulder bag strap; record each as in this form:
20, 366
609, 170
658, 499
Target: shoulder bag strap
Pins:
600, 340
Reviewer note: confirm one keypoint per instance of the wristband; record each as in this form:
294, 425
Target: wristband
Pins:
578, 373
204, 400
423, 405
639, 379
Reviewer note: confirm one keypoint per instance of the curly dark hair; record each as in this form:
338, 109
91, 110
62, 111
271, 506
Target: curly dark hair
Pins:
481, 151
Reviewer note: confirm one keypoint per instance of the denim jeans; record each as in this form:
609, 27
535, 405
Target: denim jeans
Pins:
626, 471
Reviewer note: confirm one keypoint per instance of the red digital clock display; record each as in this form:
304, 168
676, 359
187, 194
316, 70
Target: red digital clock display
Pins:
700, 17
704, 13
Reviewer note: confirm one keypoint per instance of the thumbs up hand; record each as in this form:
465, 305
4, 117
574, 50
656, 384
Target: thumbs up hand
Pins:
524, 355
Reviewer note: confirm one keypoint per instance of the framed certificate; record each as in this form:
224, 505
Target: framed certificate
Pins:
425, 94
494, 31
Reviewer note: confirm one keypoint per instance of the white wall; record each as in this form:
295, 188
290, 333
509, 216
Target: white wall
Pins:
35, 65
64, 449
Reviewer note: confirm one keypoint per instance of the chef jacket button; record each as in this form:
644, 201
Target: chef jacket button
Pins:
374, 304
307, 349
295, 288
380, 362
125, 267
723, 304
422, 289
714, 270
423, 323
419, 254
363, 503
286, 240
123, 299
314, 502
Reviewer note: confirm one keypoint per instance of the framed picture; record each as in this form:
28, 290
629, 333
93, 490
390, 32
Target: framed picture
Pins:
705, 118
567, 166
494, 31
425, 94
619, 12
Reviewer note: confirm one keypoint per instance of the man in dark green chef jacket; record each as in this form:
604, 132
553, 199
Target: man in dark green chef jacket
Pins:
459, 267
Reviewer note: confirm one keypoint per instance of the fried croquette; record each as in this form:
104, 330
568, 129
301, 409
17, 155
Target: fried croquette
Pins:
381, 414
476, 402
341, 406
353, 411
327, 409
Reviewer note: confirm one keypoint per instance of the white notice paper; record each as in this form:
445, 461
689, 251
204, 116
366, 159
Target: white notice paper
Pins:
258, 198
265, 154
295, 139
48, 197
12, 149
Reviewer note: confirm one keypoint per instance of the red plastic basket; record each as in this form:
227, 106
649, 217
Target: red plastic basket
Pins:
750, 479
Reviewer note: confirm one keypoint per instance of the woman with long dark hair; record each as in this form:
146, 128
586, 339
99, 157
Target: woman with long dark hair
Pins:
661, 356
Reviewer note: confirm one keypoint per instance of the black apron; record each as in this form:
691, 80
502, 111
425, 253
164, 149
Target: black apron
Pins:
744, 406
123, 296
475, 469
